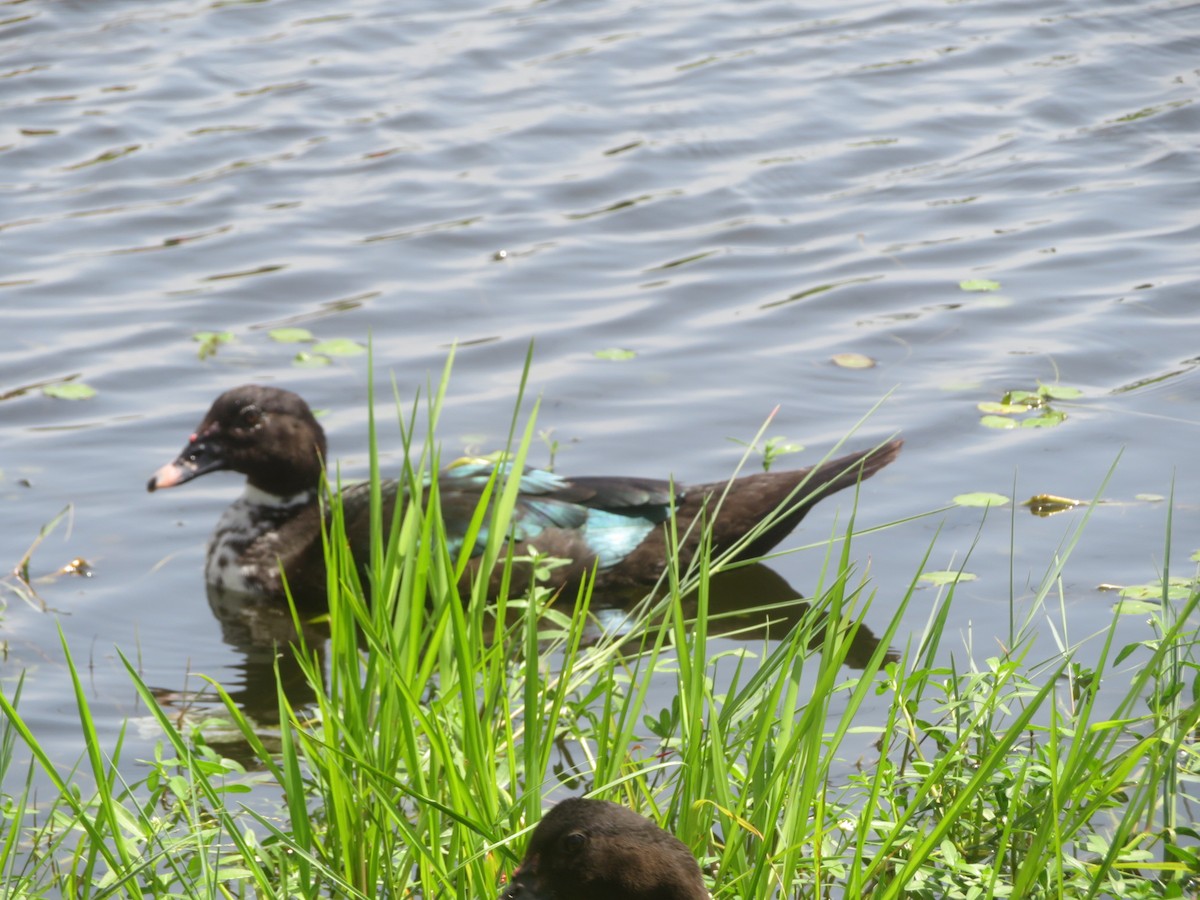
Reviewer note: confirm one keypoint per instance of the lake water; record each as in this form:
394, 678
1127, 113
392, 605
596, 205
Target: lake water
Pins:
735, 192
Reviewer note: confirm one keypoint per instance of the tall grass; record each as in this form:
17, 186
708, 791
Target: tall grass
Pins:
447, 715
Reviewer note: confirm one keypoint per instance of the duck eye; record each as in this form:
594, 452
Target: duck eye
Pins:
250, 415
574, 840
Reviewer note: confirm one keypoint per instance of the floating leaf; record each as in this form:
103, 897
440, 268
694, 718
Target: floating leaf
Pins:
617, 353
1048, 504
210, 340
998, 422
1131, 607
1150, 498
290, 335
853, 361
1048, 419
69, 390
1004, 409
979, 284
946, 576
1195, 557
310, 360
213, 337
1028, 399
980, 498
1060, 391
1178, 588
339, 347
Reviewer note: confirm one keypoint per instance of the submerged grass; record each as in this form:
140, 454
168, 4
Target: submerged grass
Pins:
447, 716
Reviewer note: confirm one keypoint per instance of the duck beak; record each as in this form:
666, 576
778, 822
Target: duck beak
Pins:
201, 455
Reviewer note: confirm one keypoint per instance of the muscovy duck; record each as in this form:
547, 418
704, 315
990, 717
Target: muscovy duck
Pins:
614, 524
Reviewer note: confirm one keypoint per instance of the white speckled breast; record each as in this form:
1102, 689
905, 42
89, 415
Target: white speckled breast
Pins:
251, 521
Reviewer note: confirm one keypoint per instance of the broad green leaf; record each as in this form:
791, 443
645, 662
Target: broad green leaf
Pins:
1135, 607
1060, 392
1004, 409
69, 390
290, 335
1048, 419
210, 341
980, 498
616, 353
998, 422
213, 337
1028, 398
339, 347
1177, 589
310, 360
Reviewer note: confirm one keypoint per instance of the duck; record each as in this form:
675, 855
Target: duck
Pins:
612, 526
585, 849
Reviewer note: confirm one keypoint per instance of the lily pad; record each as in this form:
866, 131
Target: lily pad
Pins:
979, 284
1178, 588
853, 361
980, 498
309, 360
1003, 409
69, 390
1019, 402
1048, 419
1028, 399
291, 335
1130, 607
947, 576
998, 422
615, 353
210, 341
1060, 391
339, 347
1150, 498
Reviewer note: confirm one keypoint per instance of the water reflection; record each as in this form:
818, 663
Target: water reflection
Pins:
749, 603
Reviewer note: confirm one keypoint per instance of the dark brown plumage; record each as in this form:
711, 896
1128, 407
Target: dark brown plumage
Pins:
611, 524
596, 850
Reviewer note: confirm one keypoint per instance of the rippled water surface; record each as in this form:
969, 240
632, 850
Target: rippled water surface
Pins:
733, 191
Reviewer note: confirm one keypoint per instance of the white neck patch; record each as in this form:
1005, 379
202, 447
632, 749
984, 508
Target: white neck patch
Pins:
253, 496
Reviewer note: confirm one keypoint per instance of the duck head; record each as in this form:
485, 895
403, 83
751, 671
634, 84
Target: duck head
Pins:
596, 850
265, 433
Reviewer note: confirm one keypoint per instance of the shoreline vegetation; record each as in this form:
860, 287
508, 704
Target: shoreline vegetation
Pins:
440, 726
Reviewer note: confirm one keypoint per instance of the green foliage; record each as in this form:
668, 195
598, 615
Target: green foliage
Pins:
210, 342
772, 449
69, 390
1027, 409
616, 354
979, 284
452, 707
980, 498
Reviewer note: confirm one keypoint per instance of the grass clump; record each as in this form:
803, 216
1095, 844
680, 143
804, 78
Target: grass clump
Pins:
447, 715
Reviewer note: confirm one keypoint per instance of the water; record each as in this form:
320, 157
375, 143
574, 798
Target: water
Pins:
733, 191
